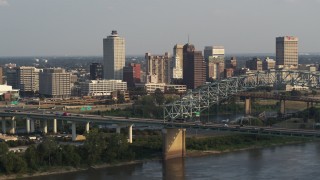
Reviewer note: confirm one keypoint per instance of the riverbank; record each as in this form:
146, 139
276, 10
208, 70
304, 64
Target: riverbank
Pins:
200, 153
197, 147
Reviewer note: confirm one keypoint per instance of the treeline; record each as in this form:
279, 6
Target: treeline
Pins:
98, 148
237, 141
147, 106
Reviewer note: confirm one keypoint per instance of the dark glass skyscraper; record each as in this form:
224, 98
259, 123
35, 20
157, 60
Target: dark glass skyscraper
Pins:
194, 67
96, 71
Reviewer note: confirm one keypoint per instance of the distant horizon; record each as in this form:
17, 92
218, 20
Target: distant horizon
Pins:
142, 55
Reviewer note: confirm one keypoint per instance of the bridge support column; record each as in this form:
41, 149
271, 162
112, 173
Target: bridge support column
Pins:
4, 129
282, 106
13, 126
55, 126
87, 127
118, 129
32, 126
74, 131
130, 134
45, 126
28, 125
247, 106
174, 143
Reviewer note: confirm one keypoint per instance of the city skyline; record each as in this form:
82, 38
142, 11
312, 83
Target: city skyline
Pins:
67, 28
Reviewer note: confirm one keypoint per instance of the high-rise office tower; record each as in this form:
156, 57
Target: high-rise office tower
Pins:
177, 62
1, 75
12, 78
158, 68
131, 74
55, 83
113, 56
287, 51
214, 57
194, 67
254, 64
27, 79
231, 63
96, 71
215, 68
215, 51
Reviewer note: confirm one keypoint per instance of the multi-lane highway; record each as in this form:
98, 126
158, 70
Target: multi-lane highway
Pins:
47, 115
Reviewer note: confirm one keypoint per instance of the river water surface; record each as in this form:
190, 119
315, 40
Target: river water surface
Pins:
301, 161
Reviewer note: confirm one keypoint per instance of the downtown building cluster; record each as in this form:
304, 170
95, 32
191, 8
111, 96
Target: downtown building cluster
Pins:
187, 68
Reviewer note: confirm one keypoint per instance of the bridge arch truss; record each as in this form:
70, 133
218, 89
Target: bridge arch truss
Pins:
202, 98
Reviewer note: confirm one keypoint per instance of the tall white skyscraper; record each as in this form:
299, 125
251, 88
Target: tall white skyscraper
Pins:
113, 56
177, 62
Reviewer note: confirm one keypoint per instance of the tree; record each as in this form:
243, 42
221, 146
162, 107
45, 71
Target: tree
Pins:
31, 157
46, 151
314, 92
295, 93
117, 149
159, 96
94, 145
3, 148
70, 156
121, 98
12, 163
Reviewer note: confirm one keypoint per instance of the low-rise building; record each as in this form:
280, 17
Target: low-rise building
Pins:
8, 93
268, 64
101, 87
151, 87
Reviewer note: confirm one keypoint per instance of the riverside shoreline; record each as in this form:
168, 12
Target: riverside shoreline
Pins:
190, 153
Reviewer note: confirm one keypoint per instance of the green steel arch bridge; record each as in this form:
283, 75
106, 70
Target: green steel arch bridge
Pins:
200, 99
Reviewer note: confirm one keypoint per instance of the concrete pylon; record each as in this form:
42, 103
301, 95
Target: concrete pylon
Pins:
87, 127
118, 129
247, 106
174, 143
282, 106
32, 126
55, 126
45, 126
4, 129
13, 126
28, 125
130, 134
74, 131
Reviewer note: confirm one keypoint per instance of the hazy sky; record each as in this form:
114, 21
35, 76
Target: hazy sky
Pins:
77, 27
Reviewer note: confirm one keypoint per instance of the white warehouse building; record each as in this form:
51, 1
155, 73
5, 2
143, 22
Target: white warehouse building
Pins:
102, 87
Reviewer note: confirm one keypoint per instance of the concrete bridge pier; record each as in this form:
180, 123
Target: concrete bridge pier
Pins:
130, 134
45, 126
13, 126
4, 129
28, 125
282, 106
87, 127
247, 106
55, 126
118, 129
174, 143
32, 126
74, 131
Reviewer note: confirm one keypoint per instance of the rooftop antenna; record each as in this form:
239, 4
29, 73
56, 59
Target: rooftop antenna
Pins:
188, 38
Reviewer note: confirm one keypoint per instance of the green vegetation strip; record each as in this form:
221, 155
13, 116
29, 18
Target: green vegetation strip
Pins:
239, 141
105, 148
